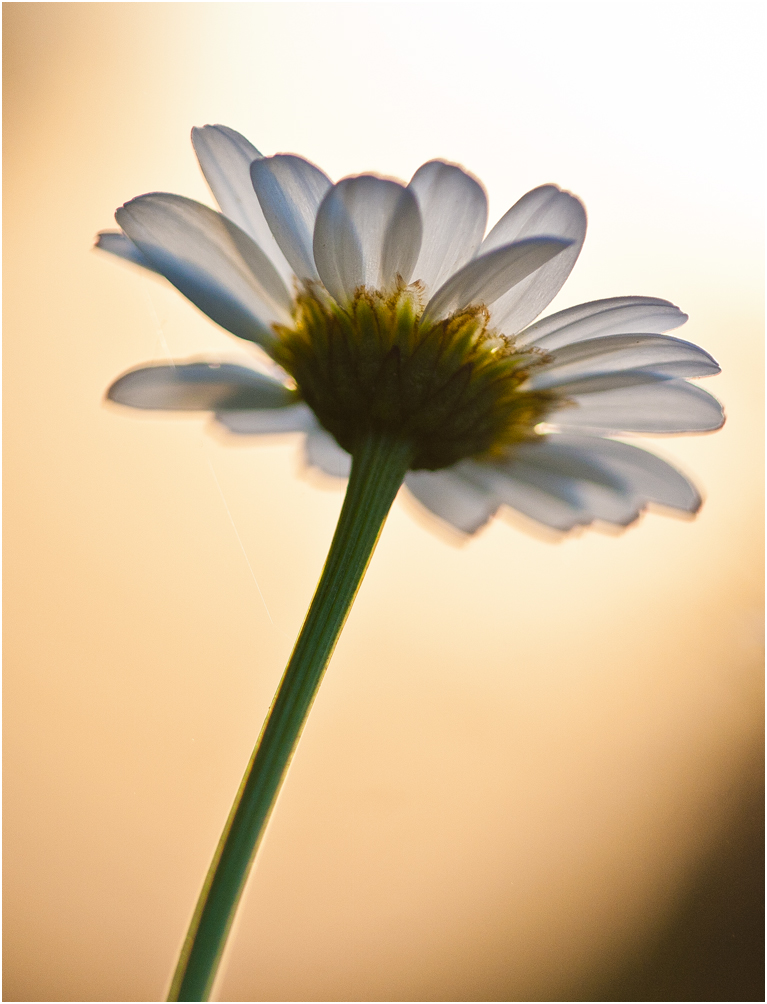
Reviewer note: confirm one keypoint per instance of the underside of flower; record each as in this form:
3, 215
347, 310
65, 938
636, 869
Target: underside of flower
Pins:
451, 387
412, 344
397, 319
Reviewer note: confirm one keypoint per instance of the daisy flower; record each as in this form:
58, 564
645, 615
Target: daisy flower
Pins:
402, 340
386, 307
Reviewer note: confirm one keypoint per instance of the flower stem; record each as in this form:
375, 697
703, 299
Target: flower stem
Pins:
378, 469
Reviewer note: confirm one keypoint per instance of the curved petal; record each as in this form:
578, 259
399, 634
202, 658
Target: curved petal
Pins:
489, 276
290, 191
614, 316
322, 451
665, 406
263, 421
598, 382
225, 158
551, 456
199, 387
588, 499
650, 478
546, 496
639, 478
546, 211
598, 358
567, 481
453, 208
116, 243
452, 497
211, 261
537, 504
618, 507
561, 481
368, 233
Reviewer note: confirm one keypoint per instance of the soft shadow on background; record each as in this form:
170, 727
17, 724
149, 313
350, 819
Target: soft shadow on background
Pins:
532, 772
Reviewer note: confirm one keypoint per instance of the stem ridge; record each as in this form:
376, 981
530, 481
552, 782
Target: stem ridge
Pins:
379, 465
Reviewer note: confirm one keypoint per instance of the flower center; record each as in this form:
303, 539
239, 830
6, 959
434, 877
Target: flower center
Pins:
452, 388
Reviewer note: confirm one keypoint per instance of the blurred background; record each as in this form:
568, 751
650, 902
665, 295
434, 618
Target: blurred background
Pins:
532, 772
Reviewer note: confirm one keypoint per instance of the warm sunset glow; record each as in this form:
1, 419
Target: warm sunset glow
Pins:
525, 747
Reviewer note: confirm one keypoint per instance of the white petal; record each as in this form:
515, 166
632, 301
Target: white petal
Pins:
257, 422
116, 243
486, 278
453, 498
595, 358
322, 450
368, 233
529, 499
650, 478
614, 316
563, 493
606, 381
565, 481
225, 158
540, 505
546, 211
211, 261
627, 477
617, 507
666, 406
588, 499
199, 387
454, 215
550, 457
290, 191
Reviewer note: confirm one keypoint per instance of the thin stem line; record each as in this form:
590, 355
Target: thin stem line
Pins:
159, 334
378, 469
239, 540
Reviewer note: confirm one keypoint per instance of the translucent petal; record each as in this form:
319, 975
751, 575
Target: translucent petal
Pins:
529, 499
116, 243
591, 500
665, 406
257, 422
199, 387
211, 261
564, 481
606, 381
551, 456
540, 505
596, 358
454, 215
568, 480
368, 233
546, 211
490, 275
452, 497
323, 451
225, 158
617, 507
290, 191
646, 475
614, 316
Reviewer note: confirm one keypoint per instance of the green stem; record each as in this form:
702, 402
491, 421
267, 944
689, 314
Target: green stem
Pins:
378, 468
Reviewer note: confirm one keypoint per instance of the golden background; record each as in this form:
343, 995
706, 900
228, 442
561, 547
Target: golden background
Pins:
524, 751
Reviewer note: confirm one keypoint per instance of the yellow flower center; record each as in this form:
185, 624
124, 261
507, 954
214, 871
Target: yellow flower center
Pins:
452, 388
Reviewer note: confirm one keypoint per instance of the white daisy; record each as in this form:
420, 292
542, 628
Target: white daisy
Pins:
387, 308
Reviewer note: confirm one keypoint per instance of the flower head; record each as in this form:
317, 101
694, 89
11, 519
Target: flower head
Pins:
387, 309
